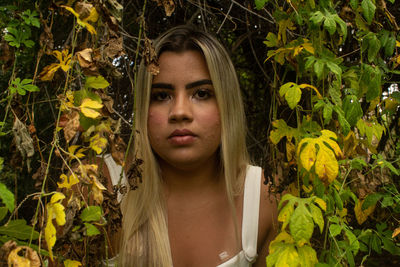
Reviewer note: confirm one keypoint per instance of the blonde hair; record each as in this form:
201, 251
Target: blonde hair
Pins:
145, 239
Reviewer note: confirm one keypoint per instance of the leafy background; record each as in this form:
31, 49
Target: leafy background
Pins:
320, 85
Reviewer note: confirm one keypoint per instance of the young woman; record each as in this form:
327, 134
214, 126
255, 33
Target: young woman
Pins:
200, 203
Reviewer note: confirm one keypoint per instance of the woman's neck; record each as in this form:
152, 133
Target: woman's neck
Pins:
189, 181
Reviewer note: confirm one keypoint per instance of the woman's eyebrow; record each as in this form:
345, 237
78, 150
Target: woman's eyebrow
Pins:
188, 86
198, 83
162, 86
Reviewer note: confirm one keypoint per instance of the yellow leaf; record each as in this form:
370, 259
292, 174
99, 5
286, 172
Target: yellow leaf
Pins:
397, 43
68, 182
98, 143
326, 165
362, 215
304, 85
93, 16
48, 72
321, 203
50, 237
396, 232
308, 154
97, 189
326, 137
70, 263
57, 196
89, 106
64, 59
308, 46
54, 210
28, 258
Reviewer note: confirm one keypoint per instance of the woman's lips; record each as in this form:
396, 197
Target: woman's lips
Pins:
182, 137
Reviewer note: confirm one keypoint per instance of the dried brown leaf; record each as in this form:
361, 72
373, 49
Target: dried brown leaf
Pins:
6, 249
150, 57
85, 57
70, 124
169, 6
83, 9
118, 147
114, 48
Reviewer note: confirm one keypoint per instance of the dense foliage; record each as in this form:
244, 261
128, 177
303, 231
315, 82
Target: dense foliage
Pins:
320, 84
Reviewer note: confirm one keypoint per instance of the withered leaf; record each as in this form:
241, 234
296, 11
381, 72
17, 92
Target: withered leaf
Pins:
30, 257
150, 57
23, 140
114, 48
6, 249
118, 148
83, 9
169, 6
85, 57
70, 124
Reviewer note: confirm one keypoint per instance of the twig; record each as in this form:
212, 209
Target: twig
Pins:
226, 15
252, 12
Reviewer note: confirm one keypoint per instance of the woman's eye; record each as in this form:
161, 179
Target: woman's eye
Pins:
160, 96
203, 94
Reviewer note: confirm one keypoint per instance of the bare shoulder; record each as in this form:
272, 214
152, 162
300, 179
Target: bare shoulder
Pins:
268, 223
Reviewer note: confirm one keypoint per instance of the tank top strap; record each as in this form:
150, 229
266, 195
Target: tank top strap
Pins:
115, 172
251, 205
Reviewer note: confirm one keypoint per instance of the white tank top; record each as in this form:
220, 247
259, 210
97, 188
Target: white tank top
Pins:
251, 205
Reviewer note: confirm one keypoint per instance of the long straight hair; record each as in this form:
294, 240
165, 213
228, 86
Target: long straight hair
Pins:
145, 239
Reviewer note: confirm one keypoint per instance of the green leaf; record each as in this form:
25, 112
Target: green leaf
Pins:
317, 17
342, 120
307, 256
352, 109
317, 216
358, 164
390, 46
354, 4
18, 229
327, 113
330, 24
371, 200
271, 40
376, 243
260, 3
292, 93
7, 196
373, 47
353, 241
1, 159
335, 229
91, 214
319, 68
368, 10
335, 94
387, 201
333, 67
338, 199
96, 82
282, 130
3, 212
301, 225
91, 230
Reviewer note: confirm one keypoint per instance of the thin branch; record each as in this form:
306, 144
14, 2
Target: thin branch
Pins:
226, 15
252, 12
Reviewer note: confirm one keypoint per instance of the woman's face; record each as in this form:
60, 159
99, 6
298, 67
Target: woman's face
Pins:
184, 123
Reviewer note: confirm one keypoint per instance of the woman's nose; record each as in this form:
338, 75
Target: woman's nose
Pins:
181, 109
